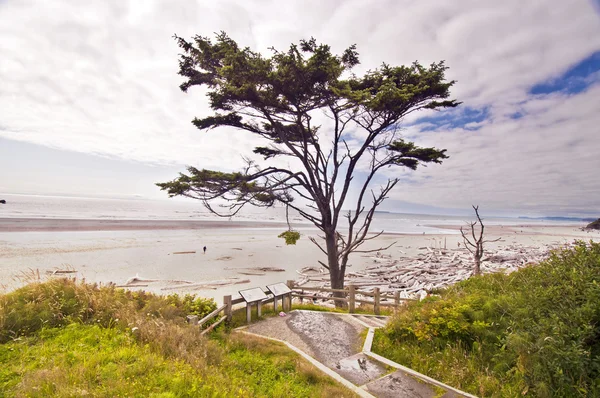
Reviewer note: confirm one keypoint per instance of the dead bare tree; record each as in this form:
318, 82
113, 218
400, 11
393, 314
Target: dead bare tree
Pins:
475, 245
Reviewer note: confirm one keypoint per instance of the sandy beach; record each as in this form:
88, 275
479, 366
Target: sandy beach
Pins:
168, 256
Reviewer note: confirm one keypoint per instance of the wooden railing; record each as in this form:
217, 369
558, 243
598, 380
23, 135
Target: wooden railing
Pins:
349, 296
227, 310
210, 316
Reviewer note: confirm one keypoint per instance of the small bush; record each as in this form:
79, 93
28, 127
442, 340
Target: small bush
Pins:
192, 305
290, 237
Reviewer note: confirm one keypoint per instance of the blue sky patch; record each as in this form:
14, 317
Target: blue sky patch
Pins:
575, 80
459, 118
517, 115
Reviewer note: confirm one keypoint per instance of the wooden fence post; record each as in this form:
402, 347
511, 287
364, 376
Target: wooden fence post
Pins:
228, 308
351, 298
377, 298
248, 312
396, 301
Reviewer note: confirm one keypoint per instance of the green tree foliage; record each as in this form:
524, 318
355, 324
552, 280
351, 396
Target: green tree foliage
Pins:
291, 237
276, 98
534, 332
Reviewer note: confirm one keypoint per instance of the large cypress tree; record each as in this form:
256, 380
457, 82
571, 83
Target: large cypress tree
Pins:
276, 98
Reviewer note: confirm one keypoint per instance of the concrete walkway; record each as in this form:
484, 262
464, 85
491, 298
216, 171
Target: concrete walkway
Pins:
333, 343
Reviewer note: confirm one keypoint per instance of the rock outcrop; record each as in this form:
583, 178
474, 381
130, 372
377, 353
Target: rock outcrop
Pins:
594, 225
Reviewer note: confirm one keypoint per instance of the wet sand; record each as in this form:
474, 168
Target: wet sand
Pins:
115, 251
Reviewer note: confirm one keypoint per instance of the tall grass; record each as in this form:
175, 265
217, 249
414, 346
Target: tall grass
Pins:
534, 332
80, 360
62, 301
63, 338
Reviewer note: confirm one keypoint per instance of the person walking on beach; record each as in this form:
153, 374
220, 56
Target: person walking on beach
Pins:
204, 249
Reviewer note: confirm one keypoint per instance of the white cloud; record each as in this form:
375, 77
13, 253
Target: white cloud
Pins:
100, 77
546, 160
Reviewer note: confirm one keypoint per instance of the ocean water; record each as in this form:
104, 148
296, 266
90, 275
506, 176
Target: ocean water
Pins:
63, 207
115, 256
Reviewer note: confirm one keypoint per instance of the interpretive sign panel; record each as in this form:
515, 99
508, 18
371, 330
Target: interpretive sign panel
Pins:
279, 289
253, 295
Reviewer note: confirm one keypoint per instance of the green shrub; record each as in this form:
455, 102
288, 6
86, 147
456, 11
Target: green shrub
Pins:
533, 332
192, 305
290, 237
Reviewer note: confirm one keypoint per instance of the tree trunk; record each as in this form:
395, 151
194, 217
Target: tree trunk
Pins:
336, 275
477, 259
477, 269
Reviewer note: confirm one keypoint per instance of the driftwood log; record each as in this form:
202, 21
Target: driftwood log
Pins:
432, 268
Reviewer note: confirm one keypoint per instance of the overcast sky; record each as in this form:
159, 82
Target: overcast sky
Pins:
90, 104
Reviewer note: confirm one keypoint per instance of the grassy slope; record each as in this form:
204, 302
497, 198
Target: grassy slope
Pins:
535, 332
86, 359
66, 339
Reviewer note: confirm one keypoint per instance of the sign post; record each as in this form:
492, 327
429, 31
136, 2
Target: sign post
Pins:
278, 290
254, 295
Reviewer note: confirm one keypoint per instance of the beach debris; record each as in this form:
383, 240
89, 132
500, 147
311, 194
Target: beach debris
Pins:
135, 285
176, 281
65, 269
189, 252
137, 279
432, 268
225, 258
209, 284
311, 271
268, 269
61, 271
257, 269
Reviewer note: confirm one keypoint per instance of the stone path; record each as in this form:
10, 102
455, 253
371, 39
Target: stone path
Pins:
334, 340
